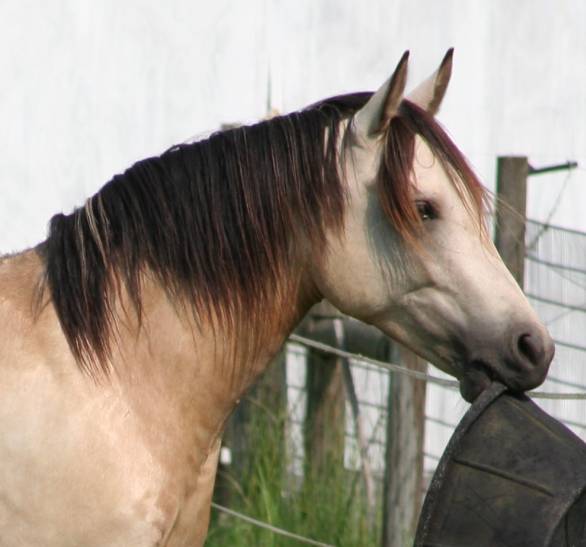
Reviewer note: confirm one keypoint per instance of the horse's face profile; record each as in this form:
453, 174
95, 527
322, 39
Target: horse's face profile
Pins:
414, 257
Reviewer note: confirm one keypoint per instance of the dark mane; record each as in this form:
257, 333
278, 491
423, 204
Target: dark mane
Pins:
216, 221
395, 173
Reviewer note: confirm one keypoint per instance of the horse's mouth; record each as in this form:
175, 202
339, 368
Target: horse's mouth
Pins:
476, 378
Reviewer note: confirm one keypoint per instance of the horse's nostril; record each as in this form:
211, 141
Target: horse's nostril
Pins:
531, 348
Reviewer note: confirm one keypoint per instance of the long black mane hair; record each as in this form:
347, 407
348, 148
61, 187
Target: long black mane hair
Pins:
216, 222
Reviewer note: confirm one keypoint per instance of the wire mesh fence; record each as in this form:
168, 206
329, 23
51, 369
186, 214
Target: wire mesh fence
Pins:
555, 282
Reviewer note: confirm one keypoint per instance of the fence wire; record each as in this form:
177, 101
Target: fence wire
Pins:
392, 367
270, 527
555, 283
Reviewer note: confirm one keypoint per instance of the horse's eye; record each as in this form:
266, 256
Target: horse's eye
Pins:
426, 210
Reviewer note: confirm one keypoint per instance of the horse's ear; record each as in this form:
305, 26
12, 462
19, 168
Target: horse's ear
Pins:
377, 113
430, 93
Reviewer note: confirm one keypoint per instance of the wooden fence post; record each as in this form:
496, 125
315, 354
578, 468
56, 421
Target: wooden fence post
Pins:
325, 410
511, 190
403, 479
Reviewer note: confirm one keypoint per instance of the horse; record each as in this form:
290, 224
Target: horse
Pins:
129, 335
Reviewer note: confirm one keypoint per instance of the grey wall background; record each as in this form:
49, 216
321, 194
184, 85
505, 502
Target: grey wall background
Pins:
90, 86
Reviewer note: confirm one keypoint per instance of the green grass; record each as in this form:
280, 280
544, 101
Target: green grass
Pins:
327, 506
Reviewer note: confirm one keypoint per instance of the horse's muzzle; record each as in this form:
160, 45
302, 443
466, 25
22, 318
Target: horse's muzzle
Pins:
521, 366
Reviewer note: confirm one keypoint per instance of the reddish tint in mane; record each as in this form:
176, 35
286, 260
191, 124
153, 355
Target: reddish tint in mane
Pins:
395, 173
218, 222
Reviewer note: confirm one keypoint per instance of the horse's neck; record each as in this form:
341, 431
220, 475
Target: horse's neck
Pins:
173, 376
187, 376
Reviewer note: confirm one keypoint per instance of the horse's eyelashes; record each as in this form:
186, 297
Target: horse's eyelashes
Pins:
426, 210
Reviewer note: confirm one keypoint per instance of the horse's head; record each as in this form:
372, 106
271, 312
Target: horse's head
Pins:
414, 257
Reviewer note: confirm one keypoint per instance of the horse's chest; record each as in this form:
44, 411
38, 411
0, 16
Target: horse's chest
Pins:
101, 505
93, 482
